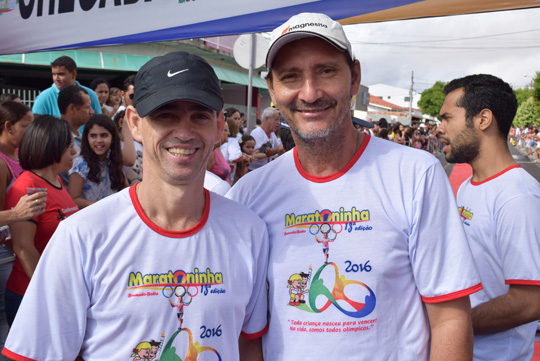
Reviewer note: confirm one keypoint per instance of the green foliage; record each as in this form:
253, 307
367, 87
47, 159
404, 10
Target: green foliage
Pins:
523, 94
432, 99
527, 113
536, 86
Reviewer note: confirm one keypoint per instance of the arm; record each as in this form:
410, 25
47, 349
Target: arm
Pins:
75, 186
276, 150
519, 306
22, 234
250, 350
128, 152
26, 208
451, 330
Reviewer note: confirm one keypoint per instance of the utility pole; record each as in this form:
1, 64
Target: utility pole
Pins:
411, 97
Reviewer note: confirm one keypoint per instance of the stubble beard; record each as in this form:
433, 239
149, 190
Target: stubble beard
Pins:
329, 137
464, 148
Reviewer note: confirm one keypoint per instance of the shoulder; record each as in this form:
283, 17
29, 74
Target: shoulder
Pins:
80, 165
102, 213
234, 213
215, 184
261, 181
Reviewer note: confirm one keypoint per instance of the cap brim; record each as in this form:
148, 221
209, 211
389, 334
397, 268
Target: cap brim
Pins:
362, 123
289, 38
167, 95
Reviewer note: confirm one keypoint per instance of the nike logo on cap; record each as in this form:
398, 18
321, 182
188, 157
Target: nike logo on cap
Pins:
170, 75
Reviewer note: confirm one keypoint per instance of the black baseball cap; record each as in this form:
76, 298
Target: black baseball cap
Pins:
176, 76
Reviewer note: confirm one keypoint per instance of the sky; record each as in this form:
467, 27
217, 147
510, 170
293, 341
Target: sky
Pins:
505, 44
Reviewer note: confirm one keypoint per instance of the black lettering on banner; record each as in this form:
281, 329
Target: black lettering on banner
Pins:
66, 6
87, 4
26, 10
116, 3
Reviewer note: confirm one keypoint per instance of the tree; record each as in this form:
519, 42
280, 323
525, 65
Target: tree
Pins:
536, 86
527, 113
523, 94
432, 99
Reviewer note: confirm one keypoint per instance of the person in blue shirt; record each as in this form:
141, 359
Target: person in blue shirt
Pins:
64, 73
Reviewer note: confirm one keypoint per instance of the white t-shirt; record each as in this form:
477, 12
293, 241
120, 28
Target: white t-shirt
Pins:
392, 242
215, 184
261, 138
500, 217
109, 282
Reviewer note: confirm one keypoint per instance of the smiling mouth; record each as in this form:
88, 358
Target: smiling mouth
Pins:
179, 152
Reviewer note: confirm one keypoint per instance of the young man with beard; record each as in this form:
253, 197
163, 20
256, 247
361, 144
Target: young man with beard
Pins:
499, 205
396, 284
107, 280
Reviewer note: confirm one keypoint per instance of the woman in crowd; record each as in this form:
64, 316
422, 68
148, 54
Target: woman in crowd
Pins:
132, 151
101, 88
248, 149
217, 163
97, 171
234, 114
14, 118
46, 150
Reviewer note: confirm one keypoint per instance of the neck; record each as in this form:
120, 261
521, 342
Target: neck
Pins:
8, 148
492, 159
319, 158
172, 207
48, 174
74, 127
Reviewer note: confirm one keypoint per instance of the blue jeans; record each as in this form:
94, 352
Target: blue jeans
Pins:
5, 271
13, 301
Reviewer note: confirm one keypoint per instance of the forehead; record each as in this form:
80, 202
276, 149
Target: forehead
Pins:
59, 69
307, 51
98, 129
450, 102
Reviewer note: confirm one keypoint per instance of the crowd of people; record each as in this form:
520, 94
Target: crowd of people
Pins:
527, 140
405, 273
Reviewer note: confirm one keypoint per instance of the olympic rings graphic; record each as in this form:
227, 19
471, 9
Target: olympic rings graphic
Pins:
180, 292
326, 228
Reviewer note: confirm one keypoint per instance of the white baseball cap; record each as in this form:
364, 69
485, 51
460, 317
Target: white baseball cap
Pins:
306, 25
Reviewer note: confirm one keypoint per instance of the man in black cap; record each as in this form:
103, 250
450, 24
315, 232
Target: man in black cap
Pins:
397, 283
127, 269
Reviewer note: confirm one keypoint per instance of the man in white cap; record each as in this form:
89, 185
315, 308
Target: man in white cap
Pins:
163, 260
396, 284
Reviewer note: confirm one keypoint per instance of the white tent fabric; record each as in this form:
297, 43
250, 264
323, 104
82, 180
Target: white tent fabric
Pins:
34, 25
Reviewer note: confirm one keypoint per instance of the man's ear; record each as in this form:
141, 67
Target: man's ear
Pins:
134, 122
356, 78
220, 125
484, 119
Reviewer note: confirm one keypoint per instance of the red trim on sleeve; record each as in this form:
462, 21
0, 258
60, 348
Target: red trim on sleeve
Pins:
522, 282
166, 232
453, 295
339, 173
495, 176
253, 336
13, 356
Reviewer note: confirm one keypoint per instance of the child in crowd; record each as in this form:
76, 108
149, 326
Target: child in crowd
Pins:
247, 146
130, 149
114, 101
97, 171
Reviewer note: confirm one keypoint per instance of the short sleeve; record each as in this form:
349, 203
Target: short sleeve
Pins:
80, 167
518, 230
440, 254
